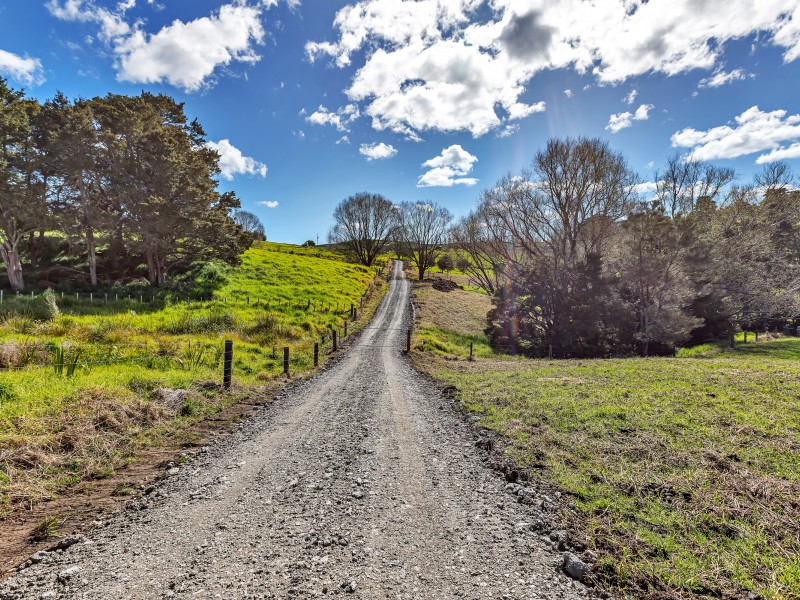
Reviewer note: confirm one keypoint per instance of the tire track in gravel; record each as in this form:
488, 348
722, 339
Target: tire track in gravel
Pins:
360, 481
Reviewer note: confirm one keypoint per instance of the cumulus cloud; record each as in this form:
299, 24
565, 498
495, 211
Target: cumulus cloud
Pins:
377, 151
568, 93
269, 203
621, 121
448, 66
450, 168
780, 153
720, 78
631, 97
112, 24
233, 162
183, 54
508, 131
647, 187
752, 131
25, 70
339, 119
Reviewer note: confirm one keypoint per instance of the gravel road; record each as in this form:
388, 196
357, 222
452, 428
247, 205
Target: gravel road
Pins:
362, 481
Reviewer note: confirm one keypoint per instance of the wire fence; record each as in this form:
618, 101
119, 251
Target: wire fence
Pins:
74, 358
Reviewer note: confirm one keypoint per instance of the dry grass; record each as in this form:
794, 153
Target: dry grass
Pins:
459, 311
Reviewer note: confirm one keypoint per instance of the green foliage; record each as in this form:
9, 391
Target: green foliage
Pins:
137, 190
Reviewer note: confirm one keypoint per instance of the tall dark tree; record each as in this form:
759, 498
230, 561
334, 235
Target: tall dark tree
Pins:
649, 256
363, 223
22, 209
82, 183
163, 177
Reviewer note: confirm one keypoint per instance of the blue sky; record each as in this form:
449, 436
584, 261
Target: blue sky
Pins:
309, 102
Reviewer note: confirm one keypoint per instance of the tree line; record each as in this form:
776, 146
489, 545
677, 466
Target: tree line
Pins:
110, 188
582, 261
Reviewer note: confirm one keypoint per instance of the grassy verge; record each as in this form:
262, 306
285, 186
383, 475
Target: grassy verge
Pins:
131, 378
685, 471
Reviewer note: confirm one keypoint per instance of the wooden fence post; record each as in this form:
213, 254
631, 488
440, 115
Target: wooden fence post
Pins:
286, 360
408, 341
345, 329
334, 340
227, 371
470, 350
316, 354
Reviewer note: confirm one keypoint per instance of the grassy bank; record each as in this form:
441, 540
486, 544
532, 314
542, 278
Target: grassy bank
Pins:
685, 471
85, 387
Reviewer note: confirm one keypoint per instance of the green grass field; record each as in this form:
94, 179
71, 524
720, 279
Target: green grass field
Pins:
685, 471
124, 360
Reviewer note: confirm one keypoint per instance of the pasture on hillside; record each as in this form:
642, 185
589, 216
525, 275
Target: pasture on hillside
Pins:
84, 386
684, 472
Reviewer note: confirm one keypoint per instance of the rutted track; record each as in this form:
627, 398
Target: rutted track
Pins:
359, 481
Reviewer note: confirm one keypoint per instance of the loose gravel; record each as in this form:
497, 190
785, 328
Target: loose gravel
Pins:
362, 481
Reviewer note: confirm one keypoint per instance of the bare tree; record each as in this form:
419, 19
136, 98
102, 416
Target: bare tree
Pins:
685, 181
423, 231
552, 224
250, 224
485, 265
364, 224
563, 208
775, 176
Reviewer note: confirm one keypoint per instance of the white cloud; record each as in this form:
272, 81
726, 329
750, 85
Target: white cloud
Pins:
568, 93
508, 131
343, 140
269, 203
647, 187
782, 153
112, 24
377, 151
752, 131
187, 54
621, 121
25, 70
183, 54
339, 119
631, 97
720, 78
447, 66
449, 168
233, 162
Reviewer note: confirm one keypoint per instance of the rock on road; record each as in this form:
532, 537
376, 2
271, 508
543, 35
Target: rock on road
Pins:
361, 481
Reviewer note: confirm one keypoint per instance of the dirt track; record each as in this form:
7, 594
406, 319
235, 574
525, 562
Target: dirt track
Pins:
361, 481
